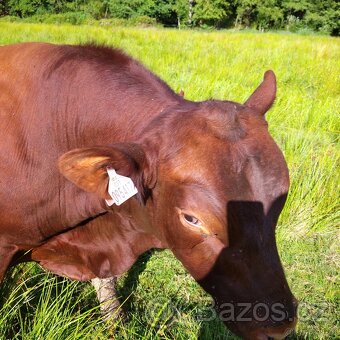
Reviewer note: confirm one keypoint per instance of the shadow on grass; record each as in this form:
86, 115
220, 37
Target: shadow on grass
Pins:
131, 281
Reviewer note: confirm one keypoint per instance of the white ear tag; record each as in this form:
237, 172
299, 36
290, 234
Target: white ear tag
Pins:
120, 188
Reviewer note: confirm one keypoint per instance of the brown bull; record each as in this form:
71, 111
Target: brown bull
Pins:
211, 181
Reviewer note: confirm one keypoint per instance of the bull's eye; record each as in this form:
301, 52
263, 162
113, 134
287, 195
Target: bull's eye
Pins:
189, 220
192, 220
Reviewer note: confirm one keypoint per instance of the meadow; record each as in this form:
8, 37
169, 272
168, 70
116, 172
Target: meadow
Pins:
160, 299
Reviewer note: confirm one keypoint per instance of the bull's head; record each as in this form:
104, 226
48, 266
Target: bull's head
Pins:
212, 183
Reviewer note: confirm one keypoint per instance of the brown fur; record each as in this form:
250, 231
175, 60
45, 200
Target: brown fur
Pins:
93, 108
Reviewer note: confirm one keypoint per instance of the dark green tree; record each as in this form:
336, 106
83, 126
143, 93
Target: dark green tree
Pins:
97, 9
181, 8
211, 12
163, 11
3, 8
324, 16
24, 8
258, 13
123, 9
295, 8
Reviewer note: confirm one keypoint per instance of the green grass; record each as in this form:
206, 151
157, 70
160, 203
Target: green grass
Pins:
162, 301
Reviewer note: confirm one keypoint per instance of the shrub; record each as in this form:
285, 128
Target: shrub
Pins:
9, 18
73, 18
143, 21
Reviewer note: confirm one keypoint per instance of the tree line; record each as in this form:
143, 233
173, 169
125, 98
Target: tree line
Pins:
317, 15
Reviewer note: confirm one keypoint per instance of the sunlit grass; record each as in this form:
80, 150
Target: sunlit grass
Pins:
163, 302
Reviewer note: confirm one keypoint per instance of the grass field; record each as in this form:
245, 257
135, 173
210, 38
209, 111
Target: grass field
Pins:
160, 299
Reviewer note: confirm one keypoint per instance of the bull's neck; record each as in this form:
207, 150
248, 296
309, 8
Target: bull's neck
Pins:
107, 123
101, 124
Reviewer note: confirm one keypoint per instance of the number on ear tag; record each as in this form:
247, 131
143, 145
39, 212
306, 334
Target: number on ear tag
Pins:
120, 188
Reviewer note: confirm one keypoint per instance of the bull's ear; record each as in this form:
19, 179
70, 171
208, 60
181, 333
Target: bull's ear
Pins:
87, 168
263, 97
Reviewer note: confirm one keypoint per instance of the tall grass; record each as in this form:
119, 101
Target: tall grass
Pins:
162, 301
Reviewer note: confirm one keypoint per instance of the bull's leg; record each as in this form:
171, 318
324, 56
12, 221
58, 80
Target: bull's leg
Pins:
106, 294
